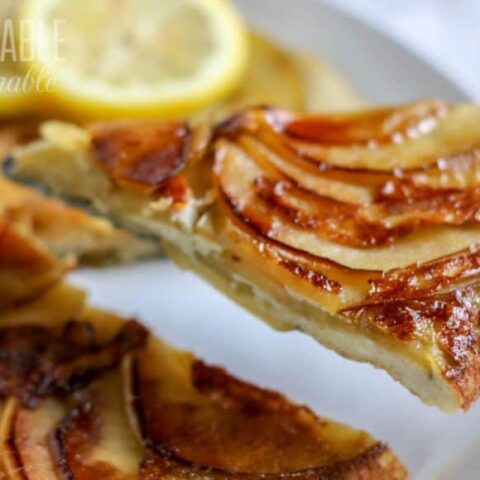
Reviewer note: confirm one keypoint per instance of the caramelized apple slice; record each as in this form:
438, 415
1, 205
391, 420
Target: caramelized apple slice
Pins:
40, 362
264, 146
142, 155
51, 442
8, 462
199, 422
24, 439
94, 440
404, 137
54, 344
381, 126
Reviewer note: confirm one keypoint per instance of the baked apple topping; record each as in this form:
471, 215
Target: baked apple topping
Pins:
164, 414
198, 421
37, 362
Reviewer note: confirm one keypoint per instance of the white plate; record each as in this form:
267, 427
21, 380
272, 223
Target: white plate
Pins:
192, 315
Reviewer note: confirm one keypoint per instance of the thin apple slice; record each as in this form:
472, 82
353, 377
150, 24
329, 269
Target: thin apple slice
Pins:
8, 460
50, 442
200, 422
24, 439
382, 126
94, 440
405, 137
352, 188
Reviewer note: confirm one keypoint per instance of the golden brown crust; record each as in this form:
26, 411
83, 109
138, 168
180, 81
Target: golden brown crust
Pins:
78, 439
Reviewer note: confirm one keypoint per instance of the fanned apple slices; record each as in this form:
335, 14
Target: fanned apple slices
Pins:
179, 419
86, 394
360, 229
184, 424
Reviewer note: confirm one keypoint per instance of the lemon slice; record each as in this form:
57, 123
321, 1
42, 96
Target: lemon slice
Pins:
138, 58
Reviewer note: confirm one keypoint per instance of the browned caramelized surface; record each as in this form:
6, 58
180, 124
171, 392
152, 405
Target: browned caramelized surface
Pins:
389, 125
72, 442
429, 277
144, 154
221, 428
76, 443
402, 199
364, 467
37, 362
294, 184
265, 180
454, 318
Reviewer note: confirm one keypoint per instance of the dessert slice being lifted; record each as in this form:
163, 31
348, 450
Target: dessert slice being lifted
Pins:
88, 394
359, 229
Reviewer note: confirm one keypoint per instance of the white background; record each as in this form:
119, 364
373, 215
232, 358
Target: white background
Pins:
445, 32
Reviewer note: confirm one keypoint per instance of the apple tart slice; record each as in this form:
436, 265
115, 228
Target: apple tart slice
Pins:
177, 418
63, 229
88, 394
359, 229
